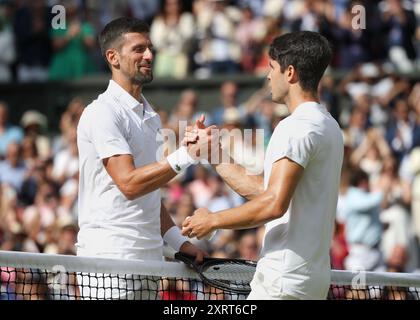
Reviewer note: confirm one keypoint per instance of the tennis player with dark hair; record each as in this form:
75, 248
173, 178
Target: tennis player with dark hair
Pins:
297, 197
121, 169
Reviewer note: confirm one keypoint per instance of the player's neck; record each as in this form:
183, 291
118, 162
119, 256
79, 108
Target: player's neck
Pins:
133, 89
294, 100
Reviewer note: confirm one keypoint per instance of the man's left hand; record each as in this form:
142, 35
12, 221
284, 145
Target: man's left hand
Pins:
193, 250
199, 225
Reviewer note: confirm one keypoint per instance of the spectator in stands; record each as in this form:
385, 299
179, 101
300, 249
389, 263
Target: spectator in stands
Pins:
67, 239
184, 207
8, 132
9, 223
202, 187
66, 161
144, 10
250, 34
34, 124
186, 109
257, 6
351, 43
12, 169
68, 121
32, 25
329, 96
363, 228
71, 58
371, 153
109, 10
398, 236
229, 99
248, 247
272, 27
171, 33
177, 289
339, 249
400, 130
219, 51
231, 135
356, 129
220, 199
315, 16
7, 45
400, 28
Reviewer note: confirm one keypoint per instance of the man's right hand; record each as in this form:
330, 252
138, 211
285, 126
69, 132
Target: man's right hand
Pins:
201, 141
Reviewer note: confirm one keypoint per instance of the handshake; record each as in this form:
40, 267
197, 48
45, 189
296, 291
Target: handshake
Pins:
202, 142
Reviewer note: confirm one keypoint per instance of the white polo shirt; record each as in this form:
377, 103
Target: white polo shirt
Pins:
295, 255
110, 224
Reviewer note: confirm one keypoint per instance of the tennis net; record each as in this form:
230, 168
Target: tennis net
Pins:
35, 276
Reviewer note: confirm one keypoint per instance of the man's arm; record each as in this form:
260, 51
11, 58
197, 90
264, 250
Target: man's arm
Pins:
136, 182
247, 185
166, 223
271, 204
235, 176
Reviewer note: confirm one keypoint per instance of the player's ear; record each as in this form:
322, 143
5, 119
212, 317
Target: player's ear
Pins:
113, 57
291, 73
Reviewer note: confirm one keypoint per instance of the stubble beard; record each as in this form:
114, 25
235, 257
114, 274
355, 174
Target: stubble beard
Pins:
141, 79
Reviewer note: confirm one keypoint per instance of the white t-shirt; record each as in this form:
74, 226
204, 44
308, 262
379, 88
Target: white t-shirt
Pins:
110, 224
295, 255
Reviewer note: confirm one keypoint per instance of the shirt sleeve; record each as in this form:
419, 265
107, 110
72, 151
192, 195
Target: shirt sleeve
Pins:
107, 136
298, 148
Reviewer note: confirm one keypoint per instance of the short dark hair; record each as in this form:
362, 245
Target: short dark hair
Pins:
358, 176
117, 28
308, 52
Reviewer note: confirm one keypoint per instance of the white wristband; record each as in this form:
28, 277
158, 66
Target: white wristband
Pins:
180, 160
174, 238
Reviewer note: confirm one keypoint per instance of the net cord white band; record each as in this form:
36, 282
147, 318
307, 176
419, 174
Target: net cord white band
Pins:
178, 270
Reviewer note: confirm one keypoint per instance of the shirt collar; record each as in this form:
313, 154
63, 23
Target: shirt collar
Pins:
125, 98
147, 109
144, 110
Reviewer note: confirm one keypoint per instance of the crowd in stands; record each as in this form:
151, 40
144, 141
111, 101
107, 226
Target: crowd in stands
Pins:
376, 105
201, 37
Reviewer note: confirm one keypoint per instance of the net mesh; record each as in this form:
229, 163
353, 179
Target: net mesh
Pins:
29, 276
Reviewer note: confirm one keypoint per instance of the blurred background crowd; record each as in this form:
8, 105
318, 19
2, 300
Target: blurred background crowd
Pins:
376, 101
201, 37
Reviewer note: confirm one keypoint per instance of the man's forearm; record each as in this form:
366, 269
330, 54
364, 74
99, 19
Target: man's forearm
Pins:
247, 185
143, 180
166, 221
252, 214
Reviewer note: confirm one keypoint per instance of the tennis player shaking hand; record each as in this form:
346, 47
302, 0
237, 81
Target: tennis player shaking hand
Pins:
296, 198
121, 214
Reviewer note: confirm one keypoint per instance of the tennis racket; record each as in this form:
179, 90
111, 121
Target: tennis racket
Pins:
232, 275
